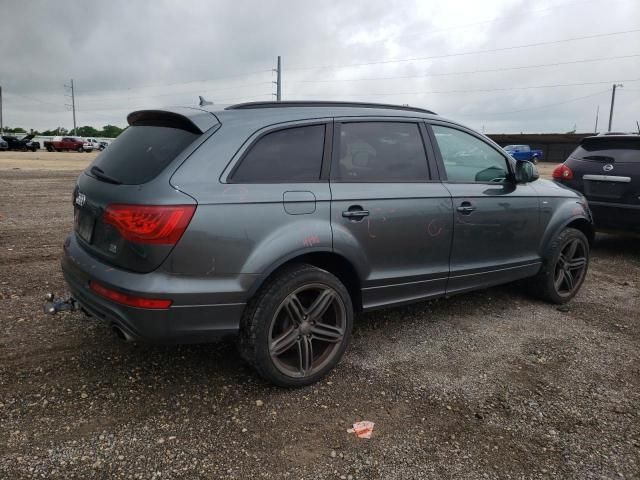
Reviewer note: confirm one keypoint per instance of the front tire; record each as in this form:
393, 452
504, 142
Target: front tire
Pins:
296, 329
564, 269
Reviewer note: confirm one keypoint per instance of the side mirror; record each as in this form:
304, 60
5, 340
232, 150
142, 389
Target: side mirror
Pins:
526, 172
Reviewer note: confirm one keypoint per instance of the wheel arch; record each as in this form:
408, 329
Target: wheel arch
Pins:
580, 223
585, 226
330, 261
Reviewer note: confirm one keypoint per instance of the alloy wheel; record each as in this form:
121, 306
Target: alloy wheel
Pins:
307, 330
570, 267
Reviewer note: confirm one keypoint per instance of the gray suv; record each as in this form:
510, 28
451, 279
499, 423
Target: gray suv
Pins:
277, 221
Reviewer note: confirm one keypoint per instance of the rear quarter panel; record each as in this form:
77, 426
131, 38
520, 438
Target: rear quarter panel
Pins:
245, 229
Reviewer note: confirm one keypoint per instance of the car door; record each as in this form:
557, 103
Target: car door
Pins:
389, 213
496, 228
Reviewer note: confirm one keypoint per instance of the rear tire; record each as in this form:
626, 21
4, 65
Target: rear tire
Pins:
298, 326
535, 160
564, 268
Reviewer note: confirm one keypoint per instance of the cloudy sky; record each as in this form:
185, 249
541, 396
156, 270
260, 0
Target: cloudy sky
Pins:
496, 65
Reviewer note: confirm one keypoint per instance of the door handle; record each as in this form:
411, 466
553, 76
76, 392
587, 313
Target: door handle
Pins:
466, 208
355, 213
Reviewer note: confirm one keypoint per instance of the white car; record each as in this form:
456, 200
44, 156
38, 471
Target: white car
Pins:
91, 144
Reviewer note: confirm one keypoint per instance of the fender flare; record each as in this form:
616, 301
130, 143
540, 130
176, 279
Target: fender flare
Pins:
556, 230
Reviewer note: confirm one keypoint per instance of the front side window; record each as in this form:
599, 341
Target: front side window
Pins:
468, 159
284, 156
381, 152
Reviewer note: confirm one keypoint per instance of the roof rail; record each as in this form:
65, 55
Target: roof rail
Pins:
317, 103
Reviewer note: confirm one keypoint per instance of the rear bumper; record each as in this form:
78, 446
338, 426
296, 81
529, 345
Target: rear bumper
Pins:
192, 317
615, 216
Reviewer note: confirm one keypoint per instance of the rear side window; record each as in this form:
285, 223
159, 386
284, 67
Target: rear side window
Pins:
284, 156
609, 149
381, 152
140, 153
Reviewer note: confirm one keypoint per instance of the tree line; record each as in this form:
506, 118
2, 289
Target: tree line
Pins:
108, 131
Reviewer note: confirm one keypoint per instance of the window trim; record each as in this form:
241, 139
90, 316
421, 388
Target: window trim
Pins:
426, 147
510, 178
326, 152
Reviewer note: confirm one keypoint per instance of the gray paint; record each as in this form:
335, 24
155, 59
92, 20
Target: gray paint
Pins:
413, 245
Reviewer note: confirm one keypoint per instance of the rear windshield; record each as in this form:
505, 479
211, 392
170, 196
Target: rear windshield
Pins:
140, 153
609, 149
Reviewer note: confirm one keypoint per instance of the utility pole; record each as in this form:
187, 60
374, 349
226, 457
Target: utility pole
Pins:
73, 104
595, 129
613, 100
278, 81
1, 124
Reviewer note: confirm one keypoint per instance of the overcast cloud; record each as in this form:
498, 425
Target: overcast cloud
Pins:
125, 55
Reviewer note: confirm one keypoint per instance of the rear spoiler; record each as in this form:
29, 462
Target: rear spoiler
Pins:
184, 118
612, 141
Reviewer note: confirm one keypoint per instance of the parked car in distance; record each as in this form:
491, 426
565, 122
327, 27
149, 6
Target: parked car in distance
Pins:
276, 221
4, 145
22, 144
91, 144
103, 144
606, 169
524, 152
60, 144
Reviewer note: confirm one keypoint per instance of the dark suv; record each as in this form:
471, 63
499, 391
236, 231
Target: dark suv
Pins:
606, 169
278, 221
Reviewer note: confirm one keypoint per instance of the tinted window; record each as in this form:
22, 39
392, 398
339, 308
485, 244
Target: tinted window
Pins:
140, 153
381, 152
284, 156
469, 159
609, 149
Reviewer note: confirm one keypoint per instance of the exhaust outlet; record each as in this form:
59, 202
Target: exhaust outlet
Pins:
121, 334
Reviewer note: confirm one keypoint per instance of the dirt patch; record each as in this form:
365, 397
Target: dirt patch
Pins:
43, 160
490, 384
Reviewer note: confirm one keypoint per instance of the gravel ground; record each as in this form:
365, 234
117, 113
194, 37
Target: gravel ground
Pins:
491, 384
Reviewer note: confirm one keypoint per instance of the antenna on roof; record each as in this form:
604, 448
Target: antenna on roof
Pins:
204, 102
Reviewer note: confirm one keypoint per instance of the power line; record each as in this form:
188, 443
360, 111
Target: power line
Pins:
219, 102
504, 69
482, 90
519, 14
177, 83
235, 87
538, 107
474, 52
33, 99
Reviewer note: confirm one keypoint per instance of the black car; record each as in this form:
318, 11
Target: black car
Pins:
606, 169
22, 144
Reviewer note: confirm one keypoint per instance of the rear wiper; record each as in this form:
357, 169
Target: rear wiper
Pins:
99, 173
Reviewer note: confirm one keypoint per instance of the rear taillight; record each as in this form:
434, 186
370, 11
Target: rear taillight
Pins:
155, 224
130, 300
562, 172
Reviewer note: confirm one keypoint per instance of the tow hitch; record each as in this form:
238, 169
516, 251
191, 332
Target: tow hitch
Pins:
54, 305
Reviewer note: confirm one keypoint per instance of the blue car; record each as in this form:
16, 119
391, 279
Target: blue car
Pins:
524, 152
